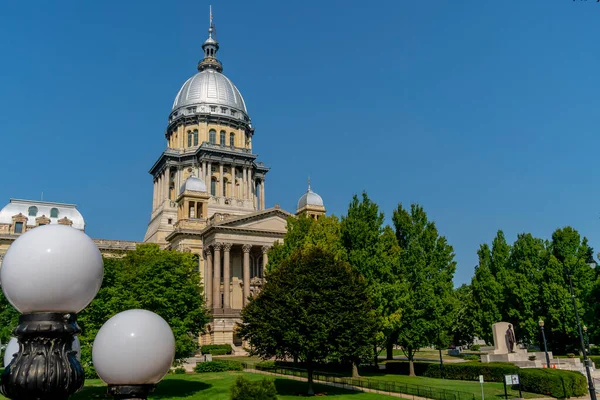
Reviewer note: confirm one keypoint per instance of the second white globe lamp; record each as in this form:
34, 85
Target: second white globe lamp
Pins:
135, 347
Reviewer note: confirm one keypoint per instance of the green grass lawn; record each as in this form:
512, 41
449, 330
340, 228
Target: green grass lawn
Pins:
492, 390
217, 386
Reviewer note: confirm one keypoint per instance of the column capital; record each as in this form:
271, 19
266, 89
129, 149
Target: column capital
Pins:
246, 248
227, 246
265, 249
217, 246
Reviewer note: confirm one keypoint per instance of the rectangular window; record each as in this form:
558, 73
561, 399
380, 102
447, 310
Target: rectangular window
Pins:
18, 227
223, 110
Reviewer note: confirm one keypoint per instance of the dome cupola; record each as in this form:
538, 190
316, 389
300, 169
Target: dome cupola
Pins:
193, 184
311, 204
209, 93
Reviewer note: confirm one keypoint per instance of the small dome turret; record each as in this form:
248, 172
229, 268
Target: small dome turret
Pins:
193, 184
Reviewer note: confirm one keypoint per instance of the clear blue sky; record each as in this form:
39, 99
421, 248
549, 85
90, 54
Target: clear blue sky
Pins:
484, 112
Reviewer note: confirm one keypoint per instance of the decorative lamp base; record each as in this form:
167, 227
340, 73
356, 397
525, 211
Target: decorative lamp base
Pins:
130, 392
46, 366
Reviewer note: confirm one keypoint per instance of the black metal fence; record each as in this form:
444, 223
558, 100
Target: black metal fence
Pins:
372, 384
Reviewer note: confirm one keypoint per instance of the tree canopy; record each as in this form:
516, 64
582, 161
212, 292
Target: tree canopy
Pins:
313, 307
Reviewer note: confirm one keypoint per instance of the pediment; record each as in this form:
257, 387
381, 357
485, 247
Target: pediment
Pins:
275, 221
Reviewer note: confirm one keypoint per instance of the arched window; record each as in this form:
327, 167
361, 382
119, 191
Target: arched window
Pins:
213, 186
190, 139
225, 182
195, 137
54, 213
212, 136
232, 139
33, 211
222, 138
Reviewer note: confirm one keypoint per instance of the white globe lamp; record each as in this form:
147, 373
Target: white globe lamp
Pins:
133, 351
11, 349
52, 268
49, 274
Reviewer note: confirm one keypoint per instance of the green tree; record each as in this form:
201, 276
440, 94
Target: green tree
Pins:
374, 252
313, 307
165, 282
463, 327
427, 265
304, 233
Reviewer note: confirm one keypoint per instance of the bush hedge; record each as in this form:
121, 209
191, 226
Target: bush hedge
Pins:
470, 371
403, 367
244, 389
218, 366
553, 382
216, 349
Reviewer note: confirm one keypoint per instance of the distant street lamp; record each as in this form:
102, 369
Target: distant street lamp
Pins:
586, 361
545, 345
587, 339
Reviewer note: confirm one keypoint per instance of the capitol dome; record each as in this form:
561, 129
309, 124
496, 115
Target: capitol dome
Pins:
310, 198
193, 184
210, 87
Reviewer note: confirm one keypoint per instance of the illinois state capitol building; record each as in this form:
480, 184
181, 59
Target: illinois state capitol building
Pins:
208, 198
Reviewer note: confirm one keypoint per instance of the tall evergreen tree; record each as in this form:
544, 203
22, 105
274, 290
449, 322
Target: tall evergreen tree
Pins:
427, 265
374, 252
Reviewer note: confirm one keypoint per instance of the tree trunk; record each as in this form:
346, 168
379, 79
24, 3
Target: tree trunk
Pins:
355, 369
296, 360
309, 370
389, 346
411, 363
375, 356
441, 364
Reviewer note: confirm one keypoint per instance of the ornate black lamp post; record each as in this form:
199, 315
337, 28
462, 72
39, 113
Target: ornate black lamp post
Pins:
541, 323
50, 274
591, 387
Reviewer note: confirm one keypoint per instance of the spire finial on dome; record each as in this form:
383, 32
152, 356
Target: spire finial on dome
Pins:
309, 183
210, 47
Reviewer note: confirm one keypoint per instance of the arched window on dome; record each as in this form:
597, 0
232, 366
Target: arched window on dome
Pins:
195, 137
212, 136
213, 186
190, 136
232, 139
222, 138
54, 213
33, 210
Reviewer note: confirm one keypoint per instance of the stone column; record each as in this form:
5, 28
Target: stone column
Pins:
208, 277
232, 181
262, 194
204, 173
265, 259
154, 194
217, 276
244, 183
226, 275
209, 177
250, 194
221, 191
246, 248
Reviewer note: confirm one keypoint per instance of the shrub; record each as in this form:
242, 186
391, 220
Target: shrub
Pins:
403, 367
475, 347
595, 359
553, 382
470, 371
243, 389
266, 365
471, 357
221, 348
595, 351
90, 372
179, 371
218, 366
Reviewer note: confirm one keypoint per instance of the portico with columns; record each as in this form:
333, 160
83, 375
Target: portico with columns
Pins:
234, 260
